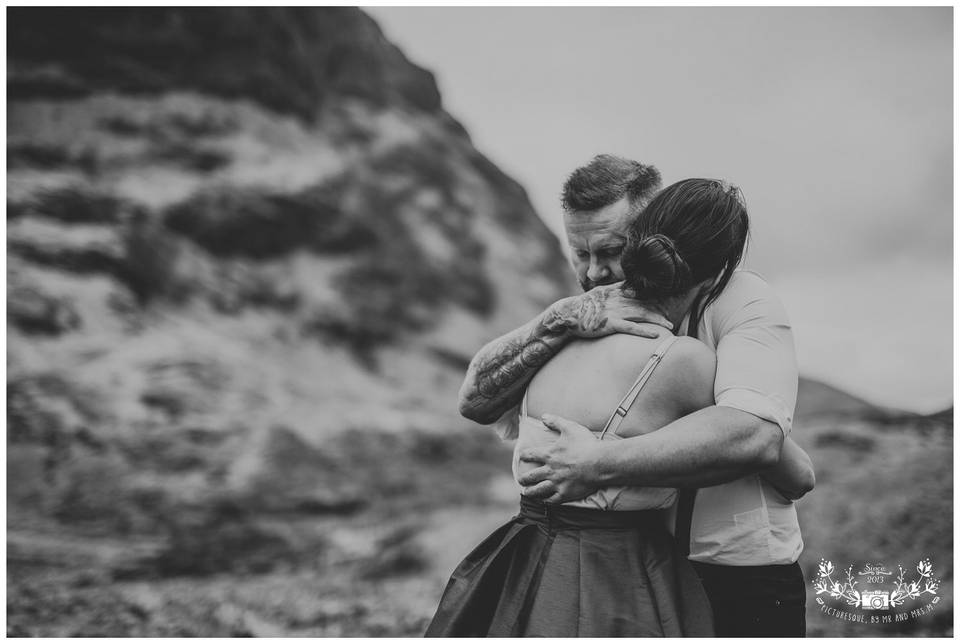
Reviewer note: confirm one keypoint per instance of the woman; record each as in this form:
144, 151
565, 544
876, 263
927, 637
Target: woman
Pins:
607, 565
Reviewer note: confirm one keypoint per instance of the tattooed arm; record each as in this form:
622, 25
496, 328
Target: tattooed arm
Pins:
500, 371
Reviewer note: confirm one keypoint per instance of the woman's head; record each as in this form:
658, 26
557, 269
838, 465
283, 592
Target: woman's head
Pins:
691, 232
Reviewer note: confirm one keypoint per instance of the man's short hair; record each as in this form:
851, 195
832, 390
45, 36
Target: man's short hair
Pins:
607, 179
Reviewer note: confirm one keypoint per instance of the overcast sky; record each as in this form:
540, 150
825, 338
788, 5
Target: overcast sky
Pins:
836, 123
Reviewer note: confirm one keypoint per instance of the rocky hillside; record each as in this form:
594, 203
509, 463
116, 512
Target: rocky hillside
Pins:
249, 255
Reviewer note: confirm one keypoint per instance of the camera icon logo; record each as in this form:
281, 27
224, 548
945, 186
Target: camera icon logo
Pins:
875, 600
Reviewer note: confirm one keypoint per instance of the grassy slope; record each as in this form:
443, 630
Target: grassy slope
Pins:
884, 495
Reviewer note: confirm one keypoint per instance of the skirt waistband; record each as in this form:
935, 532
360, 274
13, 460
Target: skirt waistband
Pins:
559, 516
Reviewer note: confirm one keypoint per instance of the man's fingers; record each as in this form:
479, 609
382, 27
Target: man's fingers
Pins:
649, 317
630, 327
534, 476
540, 491
564, 426
534, 455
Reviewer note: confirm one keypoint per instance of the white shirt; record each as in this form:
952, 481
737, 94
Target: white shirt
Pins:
745, 522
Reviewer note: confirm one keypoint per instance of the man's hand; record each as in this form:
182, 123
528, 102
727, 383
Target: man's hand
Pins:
567, 465
602, 311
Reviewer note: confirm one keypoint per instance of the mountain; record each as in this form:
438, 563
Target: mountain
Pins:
817, 401
249, 255
815, 398
818, 398
291, 61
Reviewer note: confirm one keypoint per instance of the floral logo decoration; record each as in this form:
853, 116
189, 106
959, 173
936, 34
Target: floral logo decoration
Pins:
906, 588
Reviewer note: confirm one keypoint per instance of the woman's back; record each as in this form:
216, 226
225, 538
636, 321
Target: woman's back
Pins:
587, 380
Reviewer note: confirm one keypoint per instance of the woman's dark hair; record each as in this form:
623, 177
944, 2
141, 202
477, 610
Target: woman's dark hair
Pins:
691, 231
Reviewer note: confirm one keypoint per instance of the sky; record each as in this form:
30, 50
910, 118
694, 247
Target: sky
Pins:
837, 124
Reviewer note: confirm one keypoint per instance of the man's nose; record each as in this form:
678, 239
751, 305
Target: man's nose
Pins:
598, 270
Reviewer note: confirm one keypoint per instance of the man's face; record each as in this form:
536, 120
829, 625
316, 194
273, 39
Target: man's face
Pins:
596, 241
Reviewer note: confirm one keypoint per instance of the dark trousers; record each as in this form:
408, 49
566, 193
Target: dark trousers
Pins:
756, 601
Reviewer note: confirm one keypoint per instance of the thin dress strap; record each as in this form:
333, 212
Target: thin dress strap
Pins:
621, 411
523, 405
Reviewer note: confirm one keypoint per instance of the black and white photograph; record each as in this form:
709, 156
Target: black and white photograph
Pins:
475, 321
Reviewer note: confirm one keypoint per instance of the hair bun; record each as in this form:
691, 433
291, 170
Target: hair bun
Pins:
654, 267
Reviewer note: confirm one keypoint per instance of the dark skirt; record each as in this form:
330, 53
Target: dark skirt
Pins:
567, 571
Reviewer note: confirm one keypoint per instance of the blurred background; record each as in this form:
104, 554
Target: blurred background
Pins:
250, 253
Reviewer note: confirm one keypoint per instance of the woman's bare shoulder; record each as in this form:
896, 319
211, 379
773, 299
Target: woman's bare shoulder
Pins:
683, 380
689, 369
604, 361
613, 358
621, 351
588, 377
692, 352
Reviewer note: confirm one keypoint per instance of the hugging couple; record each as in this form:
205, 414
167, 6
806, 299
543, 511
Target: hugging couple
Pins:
652, 419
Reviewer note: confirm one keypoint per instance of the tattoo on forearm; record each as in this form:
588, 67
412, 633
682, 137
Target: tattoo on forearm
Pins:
536, 354
508, 365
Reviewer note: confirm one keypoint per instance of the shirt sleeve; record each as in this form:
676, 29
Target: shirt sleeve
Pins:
507, 426
756, 358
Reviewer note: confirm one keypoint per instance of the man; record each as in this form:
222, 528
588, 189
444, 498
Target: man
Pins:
744, 538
